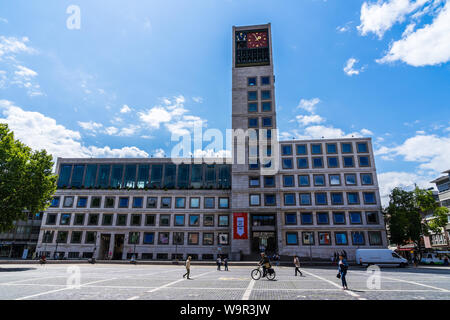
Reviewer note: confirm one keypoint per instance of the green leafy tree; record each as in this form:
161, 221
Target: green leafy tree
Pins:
26, 180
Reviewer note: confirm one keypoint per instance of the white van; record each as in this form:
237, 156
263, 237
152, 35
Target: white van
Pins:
379, 257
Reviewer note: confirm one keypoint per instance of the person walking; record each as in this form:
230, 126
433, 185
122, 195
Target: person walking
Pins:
218, 262
343, 267
188, 268
297, 266
225, 263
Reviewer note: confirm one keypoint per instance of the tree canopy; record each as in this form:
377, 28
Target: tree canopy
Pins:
26, 179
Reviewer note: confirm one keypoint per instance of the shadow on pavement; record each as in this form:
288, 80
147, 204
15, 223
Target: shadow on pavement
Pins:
2, 269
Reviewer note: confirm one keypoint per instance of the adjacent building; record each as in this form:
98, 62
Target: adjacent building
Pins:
440, 240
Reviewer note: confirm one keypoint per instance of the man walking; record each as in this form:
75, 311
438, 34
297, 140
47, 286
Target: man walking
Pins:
218, 262
225, 263
297, 266
188, 267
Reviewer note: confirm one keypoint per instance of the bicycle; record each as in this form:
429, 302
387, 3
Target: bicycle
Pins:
257, 273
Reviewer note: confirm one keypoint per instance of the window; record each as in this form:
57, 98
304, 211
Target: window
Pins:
306, 218
358, 238
364, 161
90, 237
64, 175
308, 238
352, 198
149, 238
138, 202
116, 176
252, 107
362, 147
223, 203
169, 175
156, 176
287, 163
375, 238
194, 202
136, 219
269, 200
369, 197
267, 122
317, 162
324, 238
339, 217
316, 149
65, 219
164, 220
303, 181
224, 221
68, 202
103, 175
302, 163
107, 220
288, 181
337, 198
76, 237
77, 175
335, 179
372, 217
166, 203
223, 238
322, 218
193, 238
263, 220
55, 202
151, 202
208, 220
346, 148
331, 148
178, 238
321, 198
133, 237
348, 162
252, 95
251, 81
333, 162
51, 218
62, 237
265, 81
255, 200
208, 239
301, 149
150, 219
289, 199
305, 199
163, 237
179, 220
210, 175
79, 219
355, 217
366, 179
266, 95
290, 218
341, 238
269, 181
130, 176
253, 182
109, 202
209, 203
93, 219
319, 180
286, 150
291, 238
123, 202
82, 202
143, 175
252, 122
121, 220
180, 202
266, 106
350, 179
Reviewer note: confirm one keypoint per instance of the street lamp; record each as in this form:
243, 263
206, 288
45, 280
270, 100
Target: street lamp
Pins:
177, 240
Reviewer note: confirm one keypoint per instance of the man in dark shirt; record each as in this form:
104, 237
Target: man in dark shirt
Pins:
265, 263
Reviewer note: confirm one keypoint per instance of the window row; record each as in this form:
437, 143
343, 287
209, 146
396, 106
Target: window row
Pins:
264, 95
253, 81
320, 198
338, 218
331, 162
165, 220
358, 238
265, 122
138, 202
318, 148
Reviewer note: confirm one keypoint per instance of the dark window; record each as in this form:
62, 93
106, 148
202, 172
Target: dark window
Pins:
143, 175
269, 181
317, 162
265, 81
339, 217
51, 218
252, 122
337, 198
65, 219
252, 107
116, 176
149, 238
348, 162
95, 202
93, 219
288, 163
319, 180
156, 176
286, 150
322, 218
90, 237
164, 220
303, 181
152, 202
350, 179
358, 238
331, 148
130, 176
62, 236
109, 202
64, 175
305, 199
138, 202
263, 220
267, 122
77, 175
79, 219
121, 220
290, 218
346, 148
136, 219
103, 175
252, 81
306, 218
301, 149
288, 181
289, 199
266, 106
266, 95
321, 198
352, 198
252, 95
362, 147
178, 238
316, 149
133, 237
107, 219
169, 175
269, 200
372, 217
364, 161
355, 217
375, 238
55, 202
369, 197
150, 219
76, 237
333, 162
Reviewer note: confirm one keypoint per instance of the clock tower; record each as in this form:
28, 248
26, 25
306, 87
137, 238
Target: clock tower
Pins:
254, 147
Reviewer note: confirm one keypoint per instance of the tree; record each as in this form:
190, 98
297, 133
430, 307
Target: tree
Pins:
26, 180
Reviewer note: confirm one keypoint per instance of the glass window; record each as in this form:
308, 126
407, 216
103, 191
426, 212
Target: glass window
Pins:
178, 238
82, 202
305, 199
269, 200
150, 219
123, 202
62, 237
166, 202
169, 175
138, 202
302, 163
290, 218
291, 238
93, 219
350, 179
143, 175
95, 202
335, 179
194, 202
109, 202
306, 218
358, 238
348, 162
319, 180
266, 95
337, 198
288, 181
65, 219
225, 176
156, 176
324, 238
341, 238
223, 203
107, 220
121, 220
352, 198
224, 221
180, 202
208, 239
263, 220
55, 202
369, 197
316, 149
130, 176
372, 217
252, 122
321, 198
317, 162
209, 203
68, 202
252, 81
255, 200
76, 237
193, 238
364, 161
79, 219
164, 220
339, 217
375, 238
286, 150
136, 219
152, 202
252, 95
346, 148
331, 148
64, 175
301, 149
333, 162
308, 238
91, 175
183, 176
287, 163
194, 220
253, 181
252, 107
322, 218
366, 179
265, 81
267, 122
269, 181
116, 176
303, 180
210, 173
289, 199
90, 237
355, 217
266, 106
362, 147
103, 175
223, 238
149, 238
179, 220
163, 237
208, 220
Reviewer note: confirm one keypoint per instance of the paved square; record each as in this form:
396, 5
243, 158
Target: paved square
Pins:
148, 282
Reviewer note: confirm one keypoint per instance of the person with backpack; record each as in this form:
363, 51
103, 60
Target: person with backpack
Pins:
297, 266
342, 269
188, 267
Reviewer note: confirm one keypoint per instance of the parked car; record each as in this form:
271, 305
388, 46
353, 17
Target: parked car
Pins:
435, 257
379, 257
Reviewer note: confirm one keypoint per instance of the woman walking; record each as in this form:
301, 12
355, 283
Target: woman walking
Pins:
343, 266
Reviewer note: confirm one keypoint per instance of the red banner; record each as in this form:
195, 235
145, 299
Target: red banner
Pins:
240, 225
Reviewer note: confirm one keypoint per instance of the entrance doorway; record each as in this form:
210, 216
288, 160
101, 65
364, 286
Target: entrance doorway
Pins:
118, 246
264, 242
104, 246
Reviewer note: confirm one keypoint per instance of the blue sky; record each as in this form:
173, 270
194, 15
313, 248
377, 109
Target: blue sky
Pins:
137, 71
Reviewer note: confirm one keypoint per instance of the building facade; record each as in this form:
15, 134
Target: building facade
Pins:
306, 197
440, 240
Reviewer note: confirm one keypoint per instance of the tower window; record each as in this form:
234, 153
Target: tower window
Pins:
252, 82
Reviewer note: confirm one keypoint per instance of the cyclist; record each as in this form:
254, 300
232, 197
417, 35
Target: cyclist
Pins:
265, 263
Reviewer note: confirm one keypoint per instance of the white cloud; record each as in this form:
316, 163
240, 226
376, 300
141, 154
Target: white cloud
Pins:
366, 132
197, 99
125, 109
25, 72
10, 46
128, 131
155, 116
111, 131
429, 45
90, 125
308, 105
350, 70
3, 20
159, 153
311, 119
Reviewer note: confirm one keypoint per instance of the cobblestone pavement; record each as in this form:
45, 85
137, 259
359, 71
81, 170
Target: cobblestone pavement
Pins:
135, 282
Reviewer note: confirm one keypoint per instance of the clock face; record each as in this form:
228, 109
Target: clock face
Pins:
256, 40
